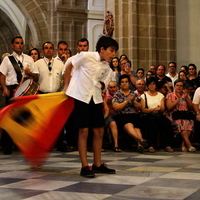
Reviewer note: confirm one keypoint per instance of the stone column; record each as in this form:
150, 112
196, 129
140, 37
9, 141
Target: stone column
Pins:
145, 30
69, 22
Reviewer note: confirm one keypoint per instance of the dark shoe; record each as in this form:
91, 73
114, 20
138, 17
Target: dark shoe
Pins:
87, 172
7, 151
62, 149
144, 143
140, 149
117, 149
103, 169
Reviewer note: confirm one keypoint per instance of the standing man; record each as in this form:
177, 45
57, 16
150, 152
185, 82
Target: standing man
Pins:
70, 133
84, 86
153, 68
172, 72
82, 45
160, 75
12, 71
62, 48
49, 70
196, 106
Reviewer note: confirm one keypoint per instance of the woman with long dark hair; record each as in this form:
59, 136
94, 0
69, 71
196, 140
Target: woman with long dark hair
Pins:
35, 54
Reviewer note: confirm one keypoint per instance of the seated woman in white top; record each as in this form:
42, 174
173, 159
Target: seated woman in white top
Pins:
153, 105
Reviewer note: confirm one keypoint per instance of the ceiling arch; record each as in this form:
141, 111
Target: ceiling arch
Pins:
23, 18
15, 15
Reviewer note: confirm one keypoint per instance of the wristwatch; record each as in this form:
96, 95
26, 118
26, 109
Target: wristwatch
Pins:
197, 113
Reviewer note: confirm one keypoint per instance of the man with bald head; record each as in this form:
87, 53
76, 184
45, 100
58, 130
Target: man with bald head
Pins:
140, 87
109, 121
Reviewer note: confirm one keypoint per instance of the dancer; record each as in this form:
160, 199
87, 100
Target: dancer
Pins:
89, 69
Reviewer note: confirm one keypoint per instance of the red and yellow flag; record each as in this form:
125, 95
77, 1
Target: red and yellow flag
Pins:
34, 123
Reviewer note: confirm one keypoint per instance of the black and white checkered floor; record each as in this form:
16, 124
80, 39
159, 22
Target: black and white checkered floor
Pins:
160, 175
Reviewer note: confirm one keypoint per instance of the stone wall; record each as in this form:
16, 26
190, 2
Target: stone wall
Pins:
45, 20
145, 30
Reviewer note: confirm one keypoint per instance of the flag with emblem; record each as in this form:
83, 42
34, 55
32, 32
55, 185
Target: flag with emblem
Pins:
35, 122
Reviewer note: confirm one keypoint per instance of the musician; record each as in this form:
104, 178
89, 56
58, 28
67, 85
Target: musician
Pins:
13, 70
71, 135
49, 70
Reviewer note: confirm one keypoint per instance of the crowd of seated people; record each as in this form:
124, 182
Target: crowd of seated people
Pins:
151, 106
155, 107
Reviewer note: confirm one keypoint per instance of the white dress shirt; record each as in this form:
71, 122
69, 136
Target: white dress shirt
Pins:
49, 80
88, 71
173, 78
8, 70
196, 98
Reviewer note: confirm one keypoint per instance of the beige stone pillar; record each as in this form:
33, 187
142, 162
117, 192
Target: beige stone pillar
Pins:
145, 30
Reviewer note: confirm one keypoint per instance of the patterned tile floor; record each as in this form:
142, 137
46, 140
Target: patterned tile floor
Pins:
160, 175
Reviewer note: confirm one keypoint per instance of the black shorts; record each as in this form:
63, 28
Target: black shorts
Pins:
89, 115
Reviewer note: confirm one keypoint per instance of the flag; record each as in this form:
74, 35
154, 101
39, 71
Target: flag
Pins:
34, 123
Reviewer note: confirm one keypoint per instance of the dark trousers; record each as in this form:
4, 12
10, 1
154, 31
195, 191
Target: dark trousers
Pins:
69, 134
157, 129
196, 136
6, 140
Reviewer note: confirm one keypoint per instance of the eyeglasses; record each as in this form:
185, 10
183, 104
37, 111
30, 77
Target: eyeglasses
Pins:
123, 63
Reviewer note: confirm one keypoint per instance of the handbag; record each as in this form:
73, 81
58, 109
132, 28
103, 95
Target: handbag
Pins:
179, 114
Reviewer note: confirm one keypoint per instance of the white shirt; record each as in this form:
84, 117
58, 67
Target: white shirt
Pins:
58, 58
173, 78
110, 77
88, 71
8, 70
196, 98
153, 101
69, 60
50, 81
